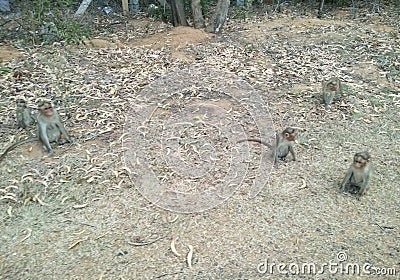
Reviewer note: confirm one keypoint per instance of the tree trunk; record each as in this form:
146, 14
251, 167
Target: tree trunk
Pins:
321, 6
163, 3
219, 16
82, 8
198, 19
125, 7
178, 13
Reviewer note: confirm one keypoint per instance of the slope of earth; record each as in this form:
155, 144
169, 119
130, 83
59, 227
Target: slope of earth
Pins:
78, 215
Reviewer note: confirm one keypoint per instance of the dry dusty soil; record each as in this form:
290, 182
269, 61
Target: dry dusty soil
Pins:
155, 185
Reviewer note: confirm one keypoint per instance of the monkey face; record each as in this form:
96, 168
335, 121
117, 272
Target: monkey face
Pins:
46, 109
332, 86
361, 159
290, 136
21, 103
359, 162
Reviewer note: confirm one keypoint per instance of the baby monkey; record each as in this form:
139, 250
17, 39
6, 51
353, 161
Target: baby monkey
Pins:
49, 130
284, 144
24, 116
331, 88
357, 177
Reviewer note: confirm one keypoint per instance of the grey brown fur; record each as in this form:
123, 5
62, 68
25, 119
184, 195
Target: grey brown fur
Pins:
284, 144
49, 130
357, 177
24, 115
330, 89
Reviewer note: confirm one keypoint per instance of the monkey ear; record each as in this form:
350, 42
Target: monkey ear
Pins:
40, 103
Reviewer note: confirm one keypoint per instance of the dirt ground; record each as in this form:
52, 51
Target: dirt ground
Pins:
147, 104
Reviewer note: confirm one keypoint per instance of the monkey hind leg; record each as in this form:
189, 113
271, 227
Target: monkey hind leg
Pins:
344, 188
284, 159
62, 141
353, 189
46, 149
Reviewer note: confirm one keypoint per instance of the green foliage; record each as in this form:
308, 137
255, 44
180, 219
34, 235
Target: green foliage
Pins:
48, 21
239, 13
337, 3
5, 69
159, 12
205, 4
72, 32
342, 3
155, 12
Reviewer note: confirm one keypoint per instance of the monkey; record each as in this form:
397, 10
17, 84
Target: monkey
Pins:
24, 116
357, 177
331, 88
284, 144
49, 130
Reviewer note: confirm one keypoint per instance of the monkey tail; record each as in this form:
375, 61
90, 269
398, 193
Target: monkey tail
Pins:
255, 140
13, 146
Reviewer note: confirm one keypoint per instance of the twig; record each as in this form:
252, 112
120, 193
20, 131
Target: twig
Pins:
384, 227
80, 223
4, 23
76, 244
145, 243
94, 136
167, 274
27, 236
189, 256
379, 226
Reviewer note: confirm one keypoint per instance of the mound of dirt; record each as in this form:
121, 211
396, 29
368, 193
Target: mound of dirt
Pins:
101, 43
7, 53
176, 38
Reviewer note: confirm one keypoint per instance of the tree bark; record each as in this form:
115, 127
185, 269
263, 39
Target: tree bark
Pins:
82, 8
198, 20
321, 6
219, 17
178, 13
125, 7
